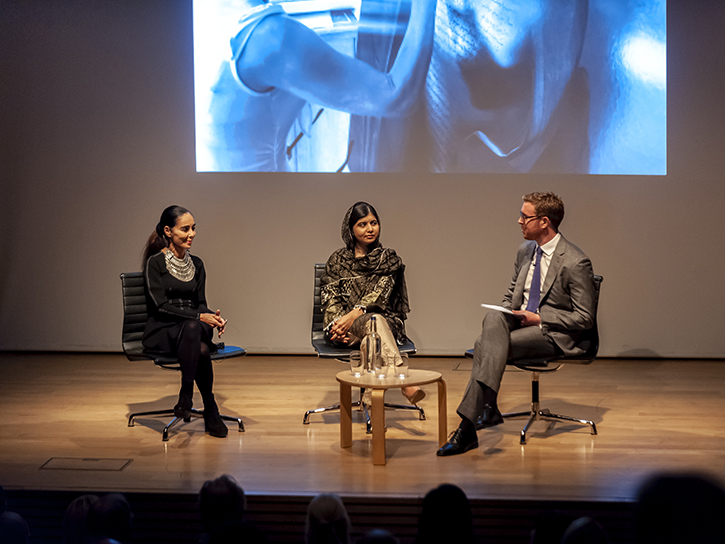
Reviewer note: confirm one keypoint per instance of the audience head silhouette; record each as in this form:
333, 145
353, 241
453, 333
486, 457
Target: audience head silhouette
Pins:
327, 521
110, 518
13, 529
221, 500
445, 516
75, 520
677, 508
584, 531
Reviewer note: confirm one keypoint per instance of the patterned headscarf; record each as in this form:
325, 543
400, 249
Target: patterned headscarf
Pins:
346, 230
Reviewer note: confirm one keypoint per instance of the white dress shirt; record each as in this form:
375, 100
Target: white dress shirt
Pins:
547, 250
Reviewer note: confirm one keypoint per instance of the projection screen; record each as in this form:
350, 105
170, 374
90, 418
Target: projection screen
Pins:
454, 86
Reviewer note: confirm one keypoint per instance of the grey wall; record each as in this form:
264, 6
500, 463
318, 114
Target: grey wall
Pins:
97, 138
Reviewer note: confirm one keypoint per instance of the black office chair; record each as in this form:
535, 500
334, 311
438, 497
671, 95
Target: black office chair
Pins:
134, 322
589, 340
326, 350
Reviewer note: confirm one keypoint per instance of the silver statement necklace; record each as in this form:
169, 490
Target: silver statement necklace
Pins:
181, 269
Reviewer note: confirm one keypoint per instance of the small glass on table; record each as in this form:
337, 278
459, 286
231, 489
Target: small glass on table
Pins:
380, 366
356, 363
401, 366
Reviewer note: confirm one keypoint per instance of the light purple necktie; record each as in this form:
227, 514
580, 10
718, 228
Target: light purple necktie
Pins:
535, 291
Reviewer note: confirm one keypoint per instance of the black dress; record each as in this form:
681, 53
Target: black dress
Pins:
171, 302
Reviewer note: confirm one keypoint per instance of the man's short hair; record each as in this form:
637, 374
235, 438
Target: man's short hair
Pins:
547, 205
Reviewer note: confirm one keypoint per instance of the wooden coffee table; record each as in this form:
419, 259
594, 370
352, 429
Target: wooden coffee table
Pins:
415, 377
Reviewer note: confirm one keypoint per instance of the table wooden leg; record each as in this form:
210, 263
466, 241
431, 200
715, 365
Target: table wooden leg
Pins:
442, 413
345, 416
378, 421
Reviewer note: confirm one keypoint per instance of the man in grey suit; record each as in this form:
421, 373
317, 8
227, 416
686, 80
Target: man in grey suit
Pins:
551, 299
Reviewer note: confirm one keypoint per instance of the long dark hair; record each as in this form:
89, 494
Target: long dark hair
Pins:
158, 240
357, 212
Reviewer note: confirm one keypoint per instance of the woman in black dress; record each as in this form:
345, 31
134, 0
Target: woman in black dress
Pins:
179, 322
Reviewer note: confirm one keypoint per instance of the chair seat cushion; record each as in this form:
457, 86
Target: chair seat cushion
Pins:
138, 354
324, 349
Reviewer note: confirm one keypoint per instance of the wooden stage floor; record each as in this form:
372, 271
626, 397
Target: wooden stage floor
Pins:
652, 415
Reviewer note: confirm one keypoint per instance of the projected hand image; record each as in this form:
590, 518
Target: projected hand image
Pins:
281, 79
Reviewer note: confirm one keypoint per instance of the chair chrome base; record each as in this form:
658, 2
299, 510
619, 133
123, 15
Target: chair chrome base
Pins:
173, 422
362, 406
536, 413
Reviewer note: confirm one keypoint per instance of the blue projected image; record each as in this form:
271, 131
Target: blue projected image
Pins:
469, 86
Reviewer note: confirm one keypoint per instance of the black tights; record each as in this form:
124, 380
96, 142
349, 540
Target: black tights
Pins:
195, 359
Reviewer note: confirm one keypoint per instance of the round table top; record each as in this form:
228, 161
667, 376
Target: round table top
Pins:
415, 377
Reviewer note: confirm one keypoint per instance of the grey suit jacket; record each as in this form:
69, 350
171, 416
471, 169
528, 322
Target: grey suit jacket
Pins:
567, 304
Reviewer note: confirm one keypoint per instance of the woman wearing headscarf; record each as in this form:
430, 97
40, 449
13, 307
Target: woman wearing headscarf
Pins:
364, 279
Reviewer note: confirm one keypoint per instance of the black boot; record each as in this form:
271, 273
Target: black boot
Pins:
183, 407
213, 423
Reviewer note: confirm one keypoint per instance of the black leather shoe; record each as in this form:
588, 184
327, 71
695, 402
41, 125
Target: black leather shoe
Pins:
490, 417
458, 442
